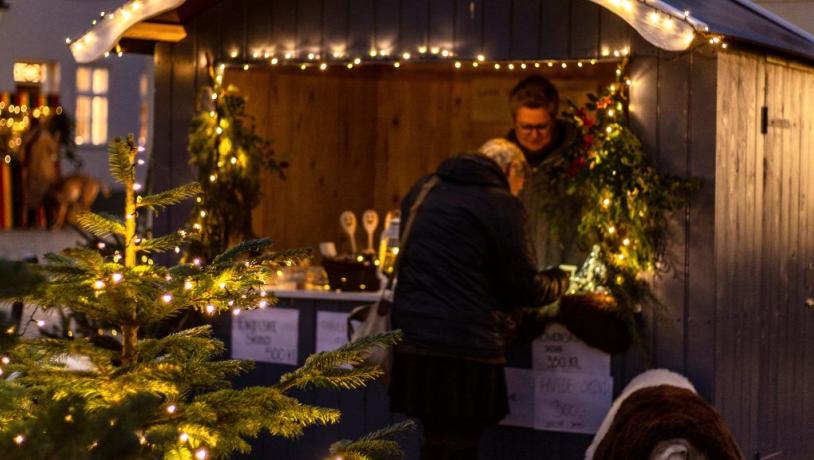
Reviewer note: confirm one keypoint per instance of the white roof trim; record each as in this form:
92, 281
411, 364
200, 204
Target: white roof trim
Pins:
658, 22
107, 32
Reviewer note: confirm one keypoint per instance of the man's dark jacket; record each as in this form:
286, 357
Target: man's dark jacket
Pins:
467, 264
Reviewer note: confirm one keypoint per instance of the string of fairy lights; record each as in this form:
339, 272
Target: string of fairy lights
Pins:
654, 13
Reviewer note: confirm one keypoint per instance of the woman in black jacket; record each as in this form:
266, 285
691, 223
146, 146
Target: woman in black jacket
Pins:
464, 269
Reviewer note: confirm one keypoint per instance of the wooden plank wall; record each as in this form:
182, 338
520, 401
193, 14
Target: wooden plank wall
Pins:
763, 248
359, 140
672, 109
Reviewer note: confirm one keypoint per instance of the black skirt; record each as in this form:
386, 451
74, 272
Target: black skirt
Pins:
446, 387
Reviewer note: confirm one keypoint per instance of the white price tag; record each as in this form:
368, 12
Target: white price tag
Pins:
268, 335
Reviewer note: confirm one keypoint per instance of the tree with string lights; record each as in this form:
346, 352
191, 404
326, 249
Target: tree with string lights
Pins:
134, 396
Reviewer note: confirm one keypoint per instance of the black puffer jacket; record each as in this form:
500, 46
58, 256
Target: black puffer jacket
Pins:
467, 264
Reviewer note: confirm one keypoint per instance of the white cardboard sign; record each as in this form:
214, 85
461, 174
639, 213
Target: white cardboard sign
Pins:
557, 350
520, 386
332, 330
575, 403
268, 335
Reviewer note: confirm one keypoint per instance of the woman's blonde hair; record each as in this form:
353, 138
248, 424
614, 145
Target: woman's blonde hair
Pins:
503, 152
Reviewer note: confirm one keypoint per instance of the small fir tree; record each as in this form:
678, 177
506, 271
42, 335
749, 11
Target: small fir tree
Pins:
230, 158
133, 396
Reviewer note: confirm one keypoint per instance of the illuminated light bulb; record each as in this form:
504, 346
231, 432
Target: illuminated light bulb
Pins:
422, 49
337, 54
19, 439
686, 13
550, 64
101, 245
611, 112
322, 66
233, 54
397, 64
481, 58
222, 285
654, 16
236, 311
373, 53
609, 129
311, 56
245, 66
497, 66
126, 14
406, 56
68, 40
136, 186
510, 66
40, 323
187, 285
263, 293
612, 88
183, 437
626, 242
289, 55
724, 45
357, 61
579, 64
214, 96
536, 65
303, 67
116, 277
196, 261
457, 64
5, 360
625, 51
140, 162
523, 66
219, 130
166, 298
606, 202
435, 50
136, 5
668, 23
262, 304
564, 65
196, 227
201, 454
605, 52
256, 55
212, 178
98, 284
171, 409
210, 309
445, 53
203, 213
349, 65
611, 230
475, 64
274, 61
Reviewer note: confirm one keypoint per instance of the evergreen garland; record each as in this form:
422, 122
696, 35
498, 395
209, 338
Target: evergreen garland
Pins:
132, 396
619, 201
230, 158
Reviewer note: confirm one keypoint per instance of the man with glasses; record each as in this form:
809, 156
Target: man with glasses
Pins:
541, 135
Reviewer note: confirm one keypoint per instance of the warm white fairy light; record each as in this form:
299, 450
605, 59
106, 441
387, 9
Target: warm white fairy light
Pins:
101, 245
210, 309
183, 437
188, 285
435, 50
263, 293
98, 284
136, 186
201, 454
203, 213
212, 178
236, 311
322, 66
422, 49
40, 323
262, 304
166, 298
5, 360
406, 55
458, 64
116, 277
196, 261
19, 439
171, 409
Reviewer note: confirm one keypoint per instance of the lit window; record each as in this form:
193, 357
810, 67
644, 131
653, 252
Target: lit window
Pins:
91, 105
27, 72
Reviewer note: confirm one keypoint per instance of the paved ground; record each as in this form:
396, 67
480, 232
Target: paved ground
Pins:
16, 244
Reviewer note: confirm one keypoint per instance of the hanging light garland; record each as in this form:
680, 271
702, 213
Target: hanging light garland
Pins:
660, 23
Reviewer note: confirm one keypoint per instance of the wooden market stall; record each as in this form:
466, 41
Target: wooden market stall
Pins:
733, 105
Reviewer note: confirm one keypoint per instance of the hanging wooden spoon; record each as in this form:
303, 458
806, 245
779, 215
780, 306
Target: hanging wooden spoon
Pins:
370, 220
347, 220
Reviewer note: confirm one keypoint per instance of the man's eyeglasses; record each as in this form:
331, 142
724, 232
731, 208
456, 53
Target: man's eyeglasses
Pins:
527, 129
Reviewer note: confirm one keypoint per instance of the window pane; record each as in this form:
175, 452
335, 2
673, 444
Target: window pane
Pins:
82, 79
99, 130
99, 81
27, 72
82, 119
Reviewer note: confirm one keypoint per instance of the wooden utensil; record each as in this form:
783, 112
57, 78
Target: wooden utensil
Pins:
347, 220
370, 220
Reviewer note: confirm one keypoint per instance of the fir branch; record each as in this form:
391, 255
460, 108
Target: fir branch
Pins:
161, 244
169, 197
373, 446
229, 256
121, 168
98, 225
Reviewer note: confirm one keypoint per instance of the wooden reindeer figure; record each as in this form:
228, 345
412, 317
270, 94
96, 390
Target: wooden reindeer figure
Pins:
73, 194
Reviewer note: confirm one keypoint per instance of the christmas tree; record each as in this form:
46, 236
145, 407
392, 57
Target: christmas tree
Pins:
134, 396
230, 158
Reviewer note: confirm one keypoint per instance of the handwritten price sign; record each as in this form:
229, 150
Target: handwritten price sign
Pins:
268, 335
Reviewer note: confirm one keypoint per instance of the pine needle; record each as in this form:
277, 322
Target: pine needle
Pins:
169, 197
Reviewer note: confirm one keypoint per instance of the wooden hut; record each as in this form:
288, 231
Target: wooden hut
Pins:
739, 116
